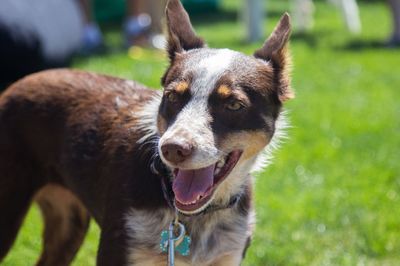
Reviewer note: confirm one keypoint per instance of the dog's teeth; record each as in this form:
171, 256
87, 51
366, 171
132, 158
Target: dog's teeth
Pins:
221, 163
217, 170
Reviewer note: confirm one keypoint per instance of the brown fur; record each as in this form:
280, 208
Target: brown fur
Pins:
55, 128
275, 49
224, 91
182, 87
66, 222
180, 38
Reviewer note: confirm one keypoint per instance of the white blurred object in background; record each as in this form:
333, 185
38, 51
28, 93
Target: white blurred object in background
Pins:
303, 11
252, 16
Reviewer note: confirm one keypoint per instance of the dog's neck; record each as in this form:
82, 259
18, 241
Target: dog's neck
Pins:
212, 234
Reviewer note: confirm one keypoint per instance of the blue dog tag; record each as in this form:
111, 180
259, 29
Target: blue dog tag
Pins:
182, 244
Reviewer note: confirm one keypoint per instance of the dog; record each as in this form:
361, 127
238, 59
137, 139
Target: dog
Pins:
85, 145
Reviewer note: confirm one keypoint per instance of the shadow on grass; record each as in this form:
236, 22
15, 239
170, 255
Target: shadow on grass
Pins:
311, 39
362, 45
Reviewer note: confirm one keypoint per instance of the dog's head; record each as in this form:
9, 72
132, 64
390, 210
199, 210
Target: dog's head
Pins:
218, 111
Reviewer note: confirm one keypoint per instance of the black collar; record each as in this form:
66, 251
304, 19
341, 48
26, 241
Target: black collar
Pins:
161, 170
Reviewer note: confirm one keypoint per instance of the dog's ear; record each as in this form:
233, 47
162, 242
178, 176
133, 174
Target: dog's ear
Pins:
181, 36
275, 50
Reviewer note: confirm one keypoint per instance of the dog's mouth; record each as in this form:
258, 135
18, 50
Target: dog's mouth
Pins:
194, 188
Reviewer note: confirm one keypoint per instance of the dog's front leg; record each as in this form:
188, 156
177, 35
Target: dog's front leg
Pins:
113, 248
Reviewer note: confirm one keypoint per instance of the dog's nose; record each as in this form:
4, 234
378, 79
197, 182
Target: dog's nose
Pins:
176, 152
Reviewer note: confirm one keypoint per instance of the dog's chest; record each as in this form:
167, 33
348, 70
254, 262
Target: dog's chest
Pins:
214, 235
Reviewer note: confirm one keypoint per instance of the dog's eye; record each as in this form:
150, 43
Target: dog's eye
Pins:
171, 97
234, 106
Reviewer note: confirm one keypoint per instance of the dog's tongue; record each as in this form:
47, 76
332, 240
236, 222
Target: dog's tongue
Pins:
189, 184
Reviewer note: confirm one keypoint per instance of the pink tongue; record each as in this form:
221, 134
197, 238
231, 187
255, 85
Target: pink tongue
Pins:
189, 184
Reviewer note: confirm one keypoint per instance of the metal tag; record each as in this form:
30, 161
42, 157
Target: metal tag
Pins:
169, 242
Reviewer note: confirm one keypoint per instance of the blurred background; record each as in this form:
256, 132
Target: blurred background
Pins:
332, 194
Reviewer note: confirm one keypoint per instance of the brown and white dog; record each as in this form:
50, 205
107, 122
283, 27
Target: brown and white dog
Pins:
85, 145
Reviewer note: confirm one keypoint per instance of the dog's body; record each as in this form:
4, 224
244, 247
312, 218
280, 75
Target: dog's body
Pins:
81, 143
80, 133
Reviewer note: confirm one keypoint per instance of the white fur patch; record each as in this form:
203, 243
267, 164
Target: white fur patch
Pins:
209, 69
146, 226
223, 233
265, 158
147, 118
193, 124
144, 229
219, 62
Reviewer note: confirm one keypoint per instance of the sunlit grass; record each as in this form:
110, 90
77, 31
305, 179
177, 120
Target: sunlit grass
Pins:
332, 195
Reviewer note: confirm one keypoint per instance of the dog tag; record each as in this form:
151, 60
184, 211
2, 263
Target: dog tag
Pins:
169, 242
184, 247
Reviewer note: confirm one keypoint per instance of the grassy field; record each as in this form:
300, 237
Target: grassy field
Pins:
332, 195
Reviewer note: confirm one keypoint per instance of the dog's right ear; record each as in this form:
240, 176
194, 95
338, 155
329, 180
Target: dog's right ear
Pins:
181, 36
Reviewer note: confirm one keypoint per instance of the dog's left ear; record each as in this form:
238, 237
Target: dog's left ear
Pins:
181, 36
275, 51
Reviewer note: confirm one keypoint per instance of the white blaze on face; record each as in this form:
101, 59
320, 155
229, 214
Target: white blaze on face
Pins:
209, 70
217, 63
192, 125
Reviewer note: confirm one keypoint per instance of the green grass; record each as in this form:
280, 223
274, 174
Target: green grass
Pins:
332, 195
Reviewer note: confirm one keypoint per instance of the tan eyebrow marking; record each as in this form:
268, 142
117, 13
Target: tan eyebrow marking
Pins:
182, 87
224, 91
